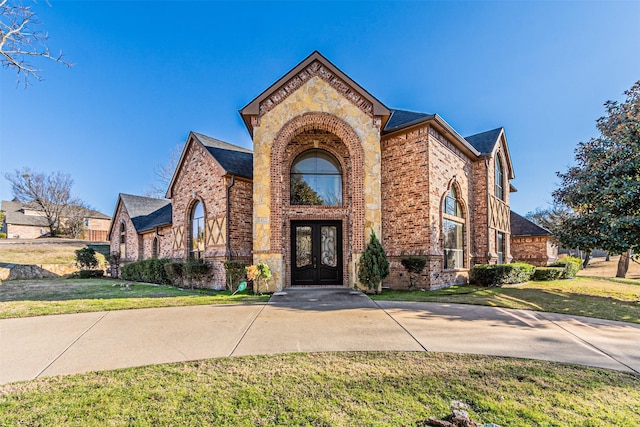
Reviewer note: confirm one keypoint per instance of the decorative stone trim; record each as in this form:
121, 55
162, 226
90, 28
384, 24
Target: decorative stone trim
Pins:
316, 69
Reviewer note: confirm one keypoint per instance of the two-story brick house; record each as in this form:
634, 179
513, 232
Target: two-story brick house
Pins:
329, 164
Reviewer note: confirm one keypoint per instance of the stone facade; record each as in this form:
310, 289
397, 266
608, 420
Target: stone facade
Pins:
315, 108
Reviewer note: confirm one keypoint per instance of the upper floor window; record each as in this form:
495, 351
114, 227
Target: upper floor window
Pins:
316, 179
453, 230
499, 179
197, 230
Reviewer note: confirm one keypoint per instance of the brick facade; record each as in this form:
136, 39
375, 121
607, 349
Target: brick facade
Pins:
393, 181
131, 249
537, 250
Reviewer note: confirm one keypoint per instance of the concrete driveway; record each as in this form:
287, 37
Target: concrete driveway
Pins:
302, 320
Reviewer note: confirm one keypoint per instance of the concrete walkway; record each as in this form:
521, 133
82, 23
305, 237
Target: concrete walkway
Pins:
304, 321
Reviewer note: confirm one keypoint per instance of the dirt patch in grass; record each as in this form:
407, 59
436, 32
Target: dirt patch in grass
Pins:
330, 389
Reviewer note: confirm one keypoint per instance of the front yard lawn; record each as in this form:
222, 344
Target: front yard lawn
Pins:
582, 296
23, 298
329, 389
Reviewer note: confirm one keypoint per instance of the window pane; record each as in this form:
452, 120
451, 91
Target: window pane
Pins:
316, 180
197, 228
303, 246
453, 244
329, 245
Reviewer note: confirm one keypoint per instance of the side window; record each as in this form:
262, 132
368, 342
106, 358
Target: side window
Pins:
453, 224
500, 247
499, 179
196, 235
123, 241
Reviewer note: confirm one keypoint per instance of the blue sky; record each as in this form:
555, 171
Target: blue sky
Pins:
148, 72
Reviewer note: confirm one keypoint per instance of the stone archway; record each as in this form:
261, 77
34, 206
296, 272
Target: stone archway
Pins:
327, 132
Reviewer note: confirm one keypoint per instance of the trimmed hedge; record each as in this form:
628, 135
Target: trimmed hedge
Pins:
148, 271
501, 274
90, 274
190, 272
548, 273
571, 266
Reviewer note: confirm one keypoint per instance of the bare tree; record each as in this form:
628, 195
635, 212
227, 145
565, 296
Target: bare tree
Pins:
50, 194
164, 173
73, 223
21, 42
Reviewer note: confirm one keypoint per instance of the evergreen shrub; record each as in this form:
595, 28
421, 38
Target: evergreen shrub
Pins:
148, 271
571, 266
548, 273
501, 274
90, 274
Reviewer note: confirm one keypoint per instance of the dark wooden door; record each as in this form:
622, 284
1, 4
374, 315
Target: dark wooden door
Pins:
316, 253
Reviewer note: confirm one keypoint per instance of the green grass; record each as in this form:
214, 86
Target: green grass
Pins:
23, 298
582, 296
329, 389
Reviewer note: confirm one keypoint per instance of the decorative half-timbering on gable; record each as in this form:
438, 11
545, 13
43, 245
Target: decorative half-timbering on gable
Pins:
330, 163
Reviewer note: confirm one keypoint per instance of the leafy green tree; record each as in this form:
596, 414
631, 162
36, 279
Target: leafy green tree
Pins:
603, 189
86, 258
373, 266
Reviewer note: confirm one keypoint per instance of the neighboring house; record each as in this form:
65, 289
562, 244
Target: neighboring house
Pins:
27, 221
531, 243
330, 163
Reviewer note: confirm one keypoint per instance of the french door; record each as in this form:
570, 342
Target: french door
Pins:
316, 253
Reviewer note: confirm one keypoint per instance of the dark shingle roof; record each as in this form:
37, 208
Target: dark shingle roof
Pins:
234, 160
403, 118
521, 226
484, 142
147, 213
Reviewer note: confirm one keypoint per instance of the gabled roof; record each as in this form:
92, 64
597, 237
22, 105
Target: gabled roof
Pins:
233, 159
146, 213
253, 107
402, 119
521, 226
485, 142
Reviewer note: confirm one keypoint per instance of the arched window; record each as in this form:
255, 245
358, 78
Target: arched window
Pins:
499, 179
155, 247
316, 179
453, 229
197, 231
123, 241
